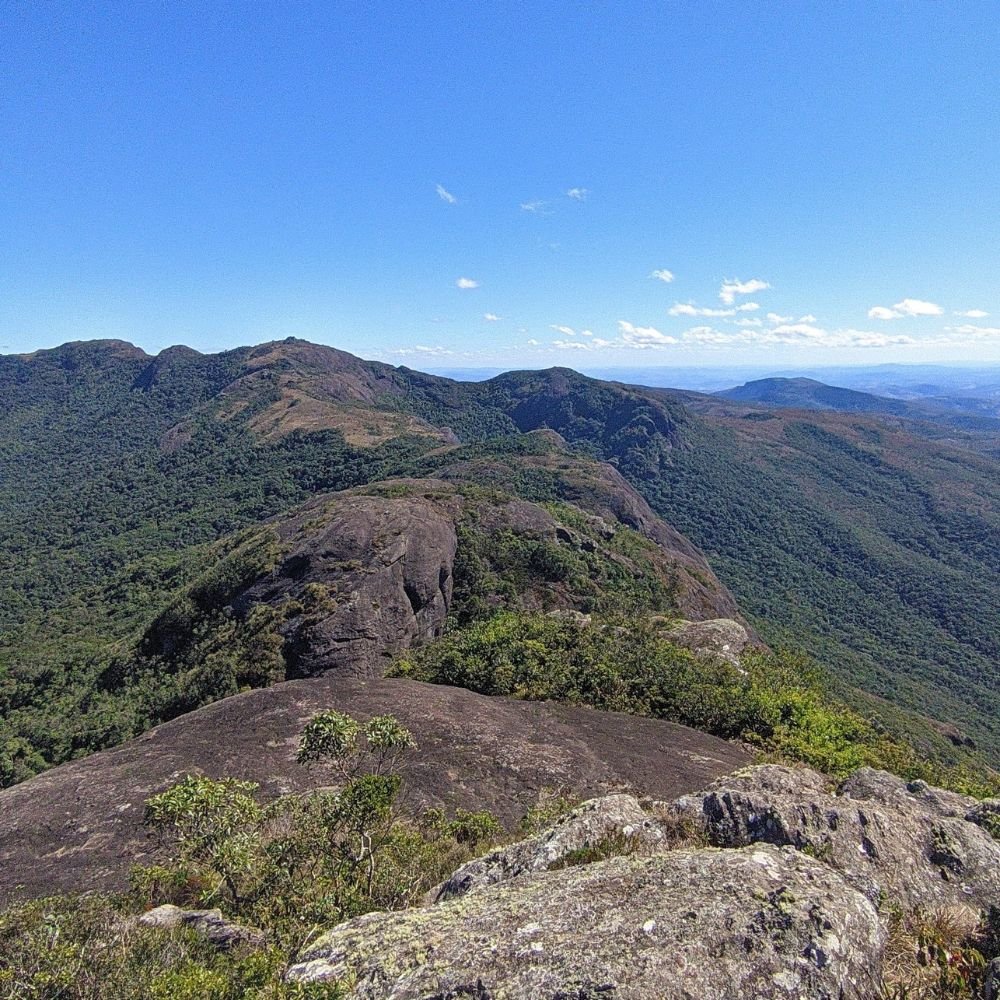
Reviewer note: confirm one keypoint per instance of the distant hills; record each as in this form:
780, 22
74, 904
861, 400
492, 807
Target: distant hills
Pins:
922, 402
808, 394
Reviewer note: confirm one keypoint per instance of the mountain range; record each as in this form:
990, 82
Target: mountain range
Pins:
150, 502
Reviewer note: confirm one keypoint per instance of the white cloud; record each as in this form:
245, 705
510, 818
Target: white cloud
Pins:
536, 206
533, 342
446, 195
917, 307
466, 283
908, 307
577, 194
807, 319
643, 336
689, 309
745, 321
662, 274
730, 288
798, 330
491, 317
571, 345
972, 314
804, 335
566, 331
776, 318
586, 333
421, 349
707, 335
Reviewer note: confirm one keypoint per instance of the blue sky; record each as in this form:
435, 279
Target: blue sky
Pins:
509, 184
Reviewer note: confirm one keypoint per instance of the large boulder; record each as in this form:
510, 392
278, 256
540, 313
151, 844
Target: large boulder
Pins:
715, 925
613, 817
890, 839
719, 638
209, 924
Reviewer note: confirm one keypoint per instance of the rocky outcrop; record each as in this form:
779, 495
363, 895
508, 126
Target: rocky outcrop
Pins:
721, 638
384, 569
80, 825
600, 489
612, 817
907, 842
368, 573
209, 924
715, 925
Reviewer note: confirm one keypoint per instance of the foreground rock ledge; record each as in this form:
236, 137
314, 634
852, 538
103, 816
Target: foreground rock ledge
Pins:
712, 924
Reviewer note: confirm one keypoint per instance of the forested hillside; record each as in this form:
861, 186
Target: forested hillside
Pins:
126, 481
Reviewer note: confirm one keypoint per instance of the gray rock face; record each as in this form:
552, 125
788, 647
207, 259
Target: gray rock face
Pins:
712, 925
387, 564
718, 637
891, 840
586, 826
382, 563
209, 924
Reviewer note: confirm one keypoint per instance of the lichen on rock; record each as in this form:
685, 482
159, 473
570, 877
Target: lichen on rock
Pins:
712, 924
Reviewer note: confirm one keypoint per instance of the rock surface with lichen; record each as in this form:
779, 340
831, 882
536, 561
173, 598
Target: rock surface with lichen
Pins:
906, 841
713, 924
617, 821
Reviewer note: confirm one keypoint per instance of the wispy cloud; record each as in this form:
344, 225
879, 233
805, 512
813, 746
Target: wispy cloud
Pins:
533, 342
421, 349
972, 314
976, 332
566, 331
731, 287
908, 307
537, 206
689, 309
662, 274
577, 194
571, 345
795, 335
466, 283
445, 195
491, 317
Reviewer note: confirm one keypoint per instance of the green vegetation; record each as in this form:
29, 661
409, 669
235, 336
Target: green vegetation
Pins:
881, 562
158, 641
92, 948
582, 565
774, 702
289, 868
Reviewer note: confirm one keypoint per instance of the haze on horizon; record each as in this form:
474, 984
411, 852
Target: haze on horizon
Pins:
637, 186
